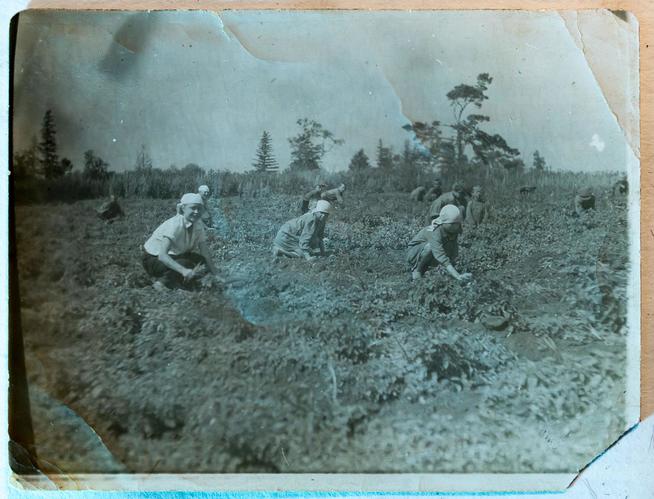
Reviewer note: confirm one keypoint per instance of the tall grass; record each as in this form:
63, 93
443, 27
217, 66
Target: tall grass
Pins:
172, 183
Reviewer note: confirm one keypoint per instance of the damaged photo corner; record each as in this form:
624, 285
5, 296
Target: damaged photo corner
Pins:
322, 250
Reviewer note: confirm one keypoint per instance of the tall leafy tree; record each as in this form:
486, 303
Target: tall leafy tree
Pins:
310, 145
26, 163
95, 167
265, 161
489, 150
430, 135
193, 170
446, 159
435, 147
461, 98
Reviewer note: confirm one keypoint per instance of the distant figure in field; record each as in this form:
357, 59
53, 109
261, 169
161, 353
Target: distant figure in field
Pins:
418, 194
434, 191
314, 193
437, 244
334, 195
584, 201
527, 189
455, 197
476, 210
621, 186
110, 210
302, 237
177, 251
207, 215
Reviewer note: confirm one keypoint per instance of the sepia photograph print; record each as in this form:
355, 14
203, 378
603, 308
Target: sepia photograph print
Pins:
265, 244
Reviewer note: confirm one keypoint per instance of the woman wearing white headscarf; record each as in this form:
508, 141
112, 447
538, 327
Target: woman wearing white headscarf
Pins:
175, 252
303, 236
207, 215
437, 244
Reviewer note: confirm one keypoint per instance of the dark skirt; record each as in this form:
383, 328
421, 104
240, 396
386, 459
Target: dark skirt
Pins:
170, 278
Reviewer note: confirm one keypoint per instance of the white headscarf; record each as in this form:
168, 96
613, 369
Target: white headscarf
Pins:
189, 198
323, 206
449, 214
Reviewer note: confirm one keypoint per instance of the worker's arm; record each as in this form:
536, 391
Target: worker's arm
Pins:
441, 257
311, 194
305, 239
454, 273
434, 209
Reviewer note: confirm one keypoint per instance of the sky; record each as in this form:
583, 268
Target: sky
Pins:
200, 87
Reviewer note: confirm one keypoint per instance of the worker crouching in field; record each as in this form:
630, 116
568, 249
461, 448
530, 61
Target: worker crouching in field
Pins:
476, 209
334, 195
437, 244
314, 193
302, 237
455, 197
418, 194
621, 186
110, 210
175, 253
434, 192
584, 201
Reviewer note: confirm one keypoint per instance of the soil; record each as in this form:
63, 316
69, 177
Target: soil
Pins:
339, 365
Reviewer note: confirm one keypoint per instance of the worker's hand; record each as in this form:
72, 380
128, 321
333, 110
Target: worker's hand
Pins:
192, 274
309, 258
465, 276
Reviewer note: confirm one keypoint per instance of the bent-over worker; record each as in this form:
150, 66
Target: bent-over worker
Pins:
437, 244
476, 210
455, 197
110, 210
314, 193
302, 237
584, 201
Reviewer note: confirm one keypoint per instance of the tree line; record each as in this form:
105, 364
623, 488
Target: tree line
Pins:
444, 148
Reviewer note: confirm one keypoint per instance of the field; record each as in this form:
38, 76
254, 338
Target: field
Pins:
339, 365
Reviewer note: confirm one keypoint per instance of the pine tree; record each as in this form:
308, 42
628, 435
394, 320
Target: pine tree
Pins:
265, 161
48, 158
359, 162
539, 162
143, 159
384, 156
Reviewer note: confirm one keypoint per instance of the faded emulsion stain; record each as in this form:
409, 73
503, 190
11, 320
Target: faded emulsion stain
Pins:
129, 42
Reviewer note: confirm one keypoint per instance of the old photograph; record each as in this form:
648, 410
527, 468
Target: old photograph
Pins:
270, 242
